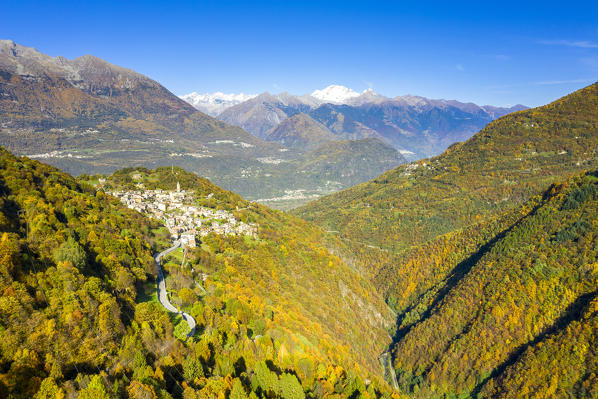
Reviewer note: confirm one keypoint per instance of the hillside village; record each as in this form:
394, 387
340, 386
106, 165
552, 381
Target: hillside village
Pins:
184, 221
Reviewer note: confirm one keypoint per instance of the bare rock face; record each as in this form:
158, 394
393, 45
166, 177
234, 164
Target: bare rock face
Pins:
27, 61
97, 75
87, 70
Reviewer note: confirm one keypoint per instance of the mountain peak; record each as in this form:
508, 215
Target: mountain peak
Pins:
93, 71
368, 96
335, 94
7, 43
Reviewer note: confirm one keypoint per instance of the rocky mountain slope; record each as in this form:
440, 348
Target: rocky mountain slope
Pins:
263, 113
42, 92
422, 126
300, 131
49, 104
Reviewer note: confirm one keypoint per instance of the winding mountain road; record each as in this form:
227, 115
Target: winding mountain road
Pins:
163, 294
389, 370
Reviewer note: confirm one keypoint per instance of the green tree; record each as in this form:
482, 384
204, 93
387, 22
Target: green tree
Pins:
192, 369
49, 390
141, 370
71, 251
290, 388
238, 392
94, 390
266, 379
187, 296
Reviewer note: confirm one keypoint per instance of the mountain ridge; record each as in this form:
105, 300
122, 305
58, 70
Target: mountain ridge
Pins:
424, 127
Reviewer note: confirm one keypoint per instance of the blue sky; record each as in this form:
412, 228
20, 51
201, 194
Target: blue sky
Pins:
486, 52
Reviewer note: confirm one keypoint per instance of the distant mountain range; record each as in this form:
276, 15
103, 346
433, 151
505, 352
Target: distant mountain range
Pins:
89, 116
416, 126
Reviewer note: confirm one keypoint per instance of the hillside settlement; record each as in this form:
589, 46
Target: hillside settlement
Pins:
184, 220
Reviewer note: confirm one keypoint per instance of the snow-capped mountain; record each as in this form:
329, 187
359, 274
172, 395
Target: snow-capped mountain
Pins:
335, 94
214, 103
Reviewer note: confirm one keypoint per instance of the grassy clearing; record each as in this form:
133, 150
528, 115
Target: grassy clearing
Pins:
175, 256
162, 237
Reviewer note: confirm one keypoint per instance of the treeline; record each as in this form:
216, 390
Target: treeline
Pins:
511, 314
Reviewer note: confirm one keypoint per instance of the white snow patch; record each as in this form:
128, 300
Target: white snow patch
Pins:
214, 103
335, 94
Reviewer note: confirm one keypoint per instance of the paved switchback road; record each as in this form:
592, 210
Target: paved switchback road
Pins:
163, 295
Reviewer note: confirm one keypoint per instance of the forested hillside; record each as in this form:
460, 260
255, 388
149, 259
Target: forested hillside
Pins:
508, 161
278, 315
512, 317
289, 267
